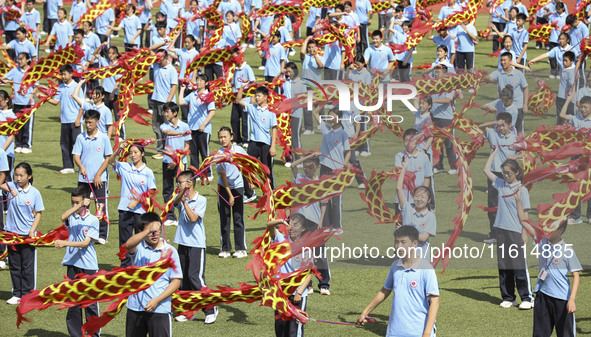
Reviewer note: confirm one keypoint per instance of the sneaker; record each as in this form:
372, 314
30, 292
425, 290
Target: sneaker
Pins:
240, 254
181, 318
310, 290
102, 241
288, 164
14, 300
157, 156
48, 51
361, 186
452, 172
210, 178
414, 51
572, 221
26, 150
365, 154
18, 149
262, 68
537, 47
150, 111
171, 223
526, 305
2, 265
245, 145
436, 170
508, 304
223, 254
252, 198
67, 171
292, 53
43, 33
324, 291
471, 90
490, 241
308, 132
251, 46
210, 319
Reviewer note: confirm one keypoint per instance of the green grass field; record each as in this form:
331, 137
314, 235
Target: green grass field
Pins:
469, 288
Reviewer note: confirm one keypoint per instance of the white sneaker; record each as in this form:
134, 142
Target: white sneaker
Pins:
18, 149
308, 132
210, 178
292, 53
310, 290
210, 319
245, 145
490, 240
365, 154
102, 241
288, 164
572, 221
436, 170
150, 111
170, 223
48, 51
452, 172
526, 305
324, 291
252, 198
14, 300
251, 46
507, 304
26, 150
262, 68
43, 33
181, 318
361, 186
240, 254
2, 265
67, 171
223, 254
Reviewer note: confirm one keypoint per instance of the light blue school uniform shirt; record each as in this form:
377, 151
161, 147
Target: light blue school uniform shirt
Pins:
334, 144
233, 175
131, 24
145, 14
22, 209
164, 79
448, 42
231, 5
62, 31
173, 10
106, 117
495, 138
349, 118
145, 254
440, 110
241, 75
378, 58
109, 82
513, 57
198, 111
446, 11
141, 180
260, 121
191, 234
230, 35
500, 11
294, 263
500, 107
104, 20
560, 22
68, 106
52, 8
516, 79
333, 56
77, 10
16, 76
507, 218
410, 304
567, 78
4, 116
558, 53
92, 152
84, 60
314, 15
286, 88
3, 161
423, 121
80, 228
27, 47
177, 143
362, 7
423, 222
522, 9
580, 123
265, 24
519, 38
400, 38
465, 43
577, 34
285, 35
92, 41
420, 165
310, 68
31, 19
276, 54
185, 57
311, 212
556, 262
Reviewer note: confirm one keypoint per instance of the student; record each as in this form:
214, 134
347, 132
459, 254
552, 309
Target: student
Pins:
424, 119
418, 162
334, 59
292, 87
446, 40
312, 65
200, 115
86, 56
243, 73
416, 292
174, 10
194, 27
185, 56
52, 15
276, 58
556, 55
166, 81
109, 56
554, 41
23, 217
132, 27
91, 154
80, 257
190, 237
466, 36
296, 228
508, 230
357, 72
520, 37
145, 16
93, 41
21, 44
443, 114
137, 176
504, 104
148, 312
24, 138
69, 117
404, 60
62, 30
76, 11
364, 11
499, 19
582, 92
10, 26
440, 60
231, 31
7, 142
172, 129
417, 214
501, 134
579, 122
32, 19
263, 129
102, 24
230, 188
105, 124
578, 32
378, 57
566, 86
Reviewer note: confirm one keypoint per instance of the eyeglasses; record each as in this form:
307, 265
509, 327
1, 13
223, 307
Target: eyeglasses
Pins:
508, 173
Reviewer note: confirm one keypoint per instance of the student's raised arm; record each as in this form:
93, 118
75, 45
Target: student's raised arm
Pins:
239, 99
272, 226
400, 184
487, 168
136, 239
76, 93
563, 113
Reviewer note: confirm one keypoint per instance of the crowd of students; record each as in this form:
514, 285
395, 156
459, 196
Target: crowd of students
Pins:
185, 123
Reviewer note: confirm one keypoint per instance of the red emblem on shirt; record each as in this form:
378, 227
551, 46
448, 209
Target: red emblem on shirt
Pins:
142, 182
556, 260
383, 57
85, 230
413, 283
99, 149
28, 202
336, 141
423, 225
264, 119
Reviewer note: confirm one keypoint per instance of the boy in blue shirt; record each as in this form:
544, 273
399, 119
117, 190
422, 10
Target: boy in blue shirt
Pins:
239, 119
102, 24
172, 129
166, 81
416, 292
148, 312
379, 57
80, 257
190, 236
263, 129
62, 30
105, 124
566, 86
276, 58
91, 153
132, 26
418, 162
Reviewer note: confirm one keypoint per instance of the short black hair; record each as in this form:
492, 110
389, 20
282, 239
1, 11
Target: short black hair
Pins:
314, 160
507, 54
505, 117
172, 106
262, 90
521, 16
569, 55
377, 32
160, 25
66, 68
92, 114
586, 100
81, 191
189, 174
294, 67
409, 132
148, 218
410, 231
570, 19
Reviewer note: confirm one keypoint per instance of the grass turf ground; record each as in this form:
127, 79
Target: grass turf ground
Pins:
469, 288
